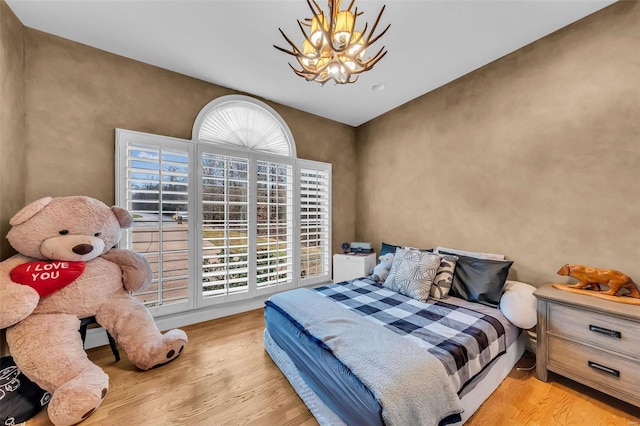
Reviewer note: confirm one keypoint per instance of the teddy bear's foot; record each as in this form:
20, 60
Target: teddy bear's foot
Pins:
172, 345
76, 400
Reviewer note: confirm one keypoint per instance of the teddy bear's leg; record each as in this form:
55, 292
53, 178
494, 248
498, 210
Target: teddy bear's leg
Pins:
133, 327
49, 350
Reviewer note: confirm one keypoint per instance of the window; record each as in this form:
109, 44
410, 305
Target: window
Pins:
228, 215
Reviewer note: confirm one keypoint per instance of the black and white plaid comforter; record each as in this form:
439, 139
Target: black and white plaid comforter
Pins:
465, 341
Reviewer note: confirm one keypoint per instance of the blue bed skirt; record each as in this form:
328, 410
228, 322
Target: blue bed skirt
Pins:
327, 377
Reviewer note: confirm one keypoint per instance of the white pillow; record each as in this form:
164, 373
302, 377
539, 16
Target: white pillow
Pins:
518, 304
475, 254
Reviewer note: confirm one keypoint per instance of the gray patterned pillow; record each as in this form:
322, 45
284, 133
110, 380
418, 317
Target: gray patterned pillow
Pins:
412, 273
444, 277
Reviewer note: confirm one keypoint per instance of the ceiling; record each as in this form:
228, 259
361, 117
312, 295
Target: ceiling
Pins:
230, 43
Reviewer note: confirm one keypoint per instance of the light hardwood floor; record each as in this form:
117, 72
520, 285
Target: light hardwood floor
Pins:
224, 377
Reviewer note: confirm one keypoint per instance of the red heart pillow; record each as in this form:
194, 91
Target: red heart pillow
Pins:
47, 277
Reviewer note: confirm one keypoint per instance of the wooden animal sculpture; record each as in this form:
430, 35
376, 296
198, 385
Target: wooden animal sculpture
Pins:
593, 277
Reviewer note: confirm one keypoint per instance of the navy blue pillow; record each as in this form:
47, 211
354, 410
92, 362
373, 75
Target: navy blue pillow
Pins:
480, 280
388, 248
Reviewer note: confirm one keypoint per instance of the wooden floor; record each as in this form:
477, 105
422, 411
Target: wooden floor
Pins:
224, 377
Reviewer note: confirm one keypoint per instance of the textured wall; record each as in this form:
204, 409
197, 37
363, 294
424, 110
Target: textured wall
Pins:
536, 155
12, 144
77, 95
12, 152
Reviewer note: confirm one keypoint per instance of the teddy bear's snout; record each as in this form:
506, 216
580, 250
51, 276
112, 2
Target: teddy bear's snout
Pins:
82, 249
72, 248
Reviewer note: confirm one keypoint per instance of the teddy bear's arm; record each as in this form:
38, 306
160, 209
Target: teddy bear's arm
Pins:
136, 271
18, 301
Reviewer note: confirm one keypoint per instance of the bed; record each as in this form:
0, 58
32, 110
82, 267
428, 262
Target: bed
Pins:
360, 352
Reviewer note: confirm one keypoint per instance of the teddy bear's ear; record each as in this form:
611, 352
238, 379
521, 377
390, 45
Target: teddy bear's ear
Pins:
124, 217
29, 211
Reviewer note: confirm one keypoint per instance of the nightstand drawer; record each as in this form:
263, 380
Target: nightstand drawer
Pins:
598, 369
605, 331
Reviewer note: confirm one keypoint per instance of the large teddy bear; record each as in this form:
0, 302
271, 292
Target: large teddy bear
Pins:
66, 269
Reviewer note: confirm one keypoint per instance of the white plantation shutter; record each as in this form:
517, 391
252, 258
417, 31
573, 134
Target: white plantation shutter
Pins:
274, 224
238, 121
248, 126
157, 196
225, 225
315, 220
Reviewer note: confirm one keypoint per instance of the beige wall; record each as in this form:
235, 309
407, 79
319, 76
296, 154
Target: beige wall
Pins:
12, 147
77, 95
536, 155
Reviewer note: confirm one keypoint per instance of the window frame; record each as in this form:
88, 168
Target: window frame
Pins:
194, 149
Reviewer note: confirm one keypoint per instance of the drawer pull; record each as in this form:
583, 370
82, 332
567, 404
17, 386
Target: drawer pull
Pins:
606, 331
603, 368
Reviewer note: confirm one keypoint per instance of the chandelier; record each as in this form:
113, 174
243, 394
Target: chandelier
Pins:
332, 48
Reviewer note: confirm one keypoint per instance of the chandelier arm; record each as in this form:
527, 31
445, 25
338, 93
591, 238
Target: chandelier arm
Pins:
295, 48
364, 31
323, 79
314, 11
371, 62
306, 37
285, 51
305, 76
297, 71
363, 63
351, 5
322, 69
370, 42
355, 20
309, 76
327, 36
375, 24
339, 50
351, 78
334, 14
302, 73
304, 68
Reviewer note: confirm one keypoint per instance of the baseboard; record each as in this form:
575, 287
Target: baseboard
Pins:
97, 337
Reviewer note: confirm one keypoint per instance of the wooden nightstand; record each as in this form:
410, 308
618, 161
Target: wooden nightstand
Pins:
589, 340
350, 266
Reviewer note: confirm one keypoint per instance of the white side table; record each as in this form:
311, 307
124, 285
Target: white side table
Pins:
350, 266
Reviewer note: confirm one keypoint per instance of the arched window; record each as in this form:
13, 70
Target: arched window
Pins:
230, 214
242, 122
